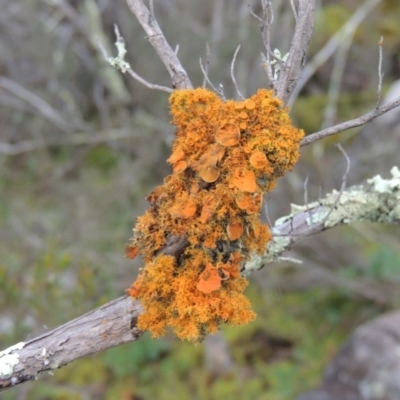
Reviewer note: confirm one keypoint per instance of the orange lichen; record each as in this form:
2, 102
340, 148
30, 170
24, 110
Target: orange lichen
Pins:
134, 290
226, 156
183, 208
210, 158
180, 166
177, 155
209, 280
228, 134
250, 104
209, 174
245, 180
258, 160
235, 231
131, 251
209, 206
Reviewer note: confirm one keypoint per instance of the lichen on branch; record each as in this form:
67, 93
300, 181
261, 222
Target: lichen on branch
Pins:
226, 155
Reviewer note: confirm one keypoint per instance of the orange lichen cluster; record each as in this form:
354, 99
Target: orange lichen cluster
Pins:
225, 156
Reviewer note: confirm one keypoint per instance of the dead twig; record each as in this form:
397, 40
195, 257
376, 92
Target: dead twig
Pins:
344, 126
120, 63
205, 70
294, 65
233, 73
179, 77
380, 73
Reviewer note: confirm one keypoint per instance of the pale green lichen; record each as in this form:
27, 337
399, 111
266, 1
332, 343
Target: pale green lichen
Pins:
275, 247
378, 202
386, 185
9, 359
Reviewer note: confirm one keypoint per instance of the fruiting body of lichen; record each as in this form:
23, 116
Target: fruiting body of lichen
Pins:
225, 156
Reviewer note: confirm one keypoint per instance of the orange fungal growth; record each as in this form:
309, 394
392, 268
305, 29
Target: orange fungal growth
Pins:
250, 104
245, 180
258, 160
177, 155
235, 231
209, 174
225, 157
228, 134
183, 208
134, 290
210, 158
209, 206
131, 251
180, 166
209, 280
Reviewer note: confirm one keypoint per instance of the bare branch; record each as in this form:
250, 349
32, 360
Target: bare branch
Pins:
380, 73
265, 27
298, 49
179, 77
205, 71
233, 73
107, 326
205, 74
350, 124
343, 185
120, 63
335, 82
323, 55
42, 106
73, 139
293, 9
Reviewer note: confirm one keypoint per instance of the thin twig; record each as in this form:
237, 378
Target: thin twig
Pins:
42, 106
265, 207
205, 73
305, 189
233, 73
335, 82
179, 77
293, 9
134, 75
342, 186
73, 139
220, 91
380, 73
329, 49
206, 76
292, 68
344, 126
120, 63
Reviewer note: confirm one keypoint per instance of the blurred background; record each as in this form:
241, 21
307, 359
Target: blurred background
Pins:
81, 145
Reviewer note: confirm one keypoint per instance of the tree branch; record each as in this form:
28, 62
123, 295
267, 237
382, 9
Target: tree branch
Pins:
107, 326
115, 322
353, 123
180, 79
289, 75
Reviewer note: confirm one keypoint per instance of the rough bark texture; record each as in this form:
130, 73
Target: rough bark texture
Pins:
107, 326
179, 77
298, 50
